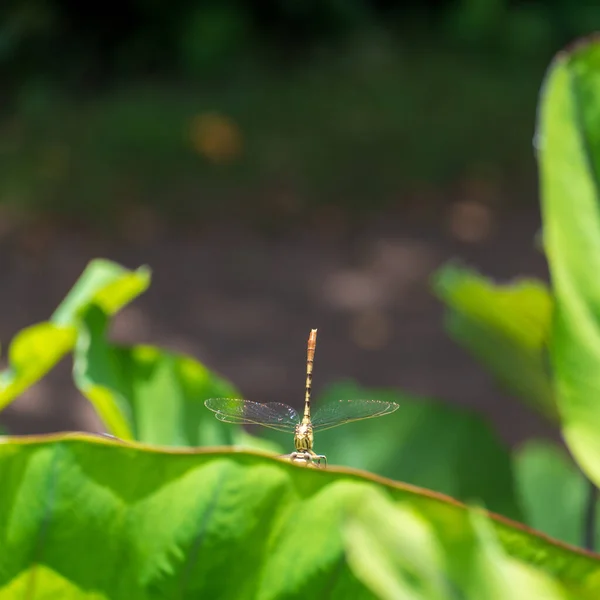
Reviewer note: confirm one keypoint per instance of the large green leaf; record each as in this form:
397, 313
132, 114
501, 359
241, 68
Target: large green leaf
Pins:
36, 349
568, 139
150, 395
553, 492
506, 327
427, 443
401, 556
88, 517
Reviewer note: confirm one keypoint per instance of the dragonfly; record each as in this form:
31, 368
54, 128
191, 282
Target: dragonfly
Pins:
282, 417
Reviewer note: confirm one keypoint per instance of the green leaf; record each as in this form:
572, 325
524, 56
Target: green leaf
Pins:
86, 515
104, 283
568, 138
396, 553
426, 443
150, 395
506, 327
553, 492
31, 354
486, 571
36, 349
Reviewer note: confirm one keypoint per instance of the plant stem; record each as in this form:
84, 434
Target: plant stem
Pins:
589, 524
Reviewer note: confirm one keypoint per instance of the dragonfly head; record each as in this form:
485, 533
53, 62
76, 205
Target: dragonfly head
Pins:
303, 437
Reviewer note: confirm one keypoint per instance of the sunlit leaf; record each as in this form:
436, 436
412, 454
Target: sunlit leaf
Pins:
505, 327
568, 142
31, 354
394, 551
399, 555
104, 283
484, 570
87, 515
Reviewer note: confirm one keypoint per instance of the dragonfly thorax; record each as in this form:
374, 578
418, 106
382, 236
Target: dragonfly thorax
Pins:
303, 437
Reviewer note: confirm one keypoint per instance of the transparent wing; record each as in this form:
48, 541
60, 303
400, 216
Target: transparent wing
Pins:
244, 412
345, 411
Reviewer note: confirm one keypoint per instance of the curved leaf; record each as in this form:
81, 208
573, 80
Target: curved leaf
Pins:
568, 139
104, 283
87, 515
31, 354
150, 395
506, 327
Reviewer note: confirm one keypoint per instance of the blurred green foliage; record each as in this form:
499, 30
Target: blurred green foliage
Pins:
552, 491
506, 327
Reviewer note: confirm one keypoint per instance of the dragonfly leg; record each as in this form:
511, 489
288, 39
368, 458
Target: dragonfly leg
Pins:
318, 459
307, 458
323, 458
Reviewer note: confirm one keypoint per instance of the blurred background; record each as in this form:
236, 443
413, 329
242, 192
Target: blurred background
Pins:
281, 165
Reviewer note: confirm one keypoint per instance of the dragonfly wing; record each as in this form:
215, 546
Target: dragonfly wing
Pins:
245, 412
345, 411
